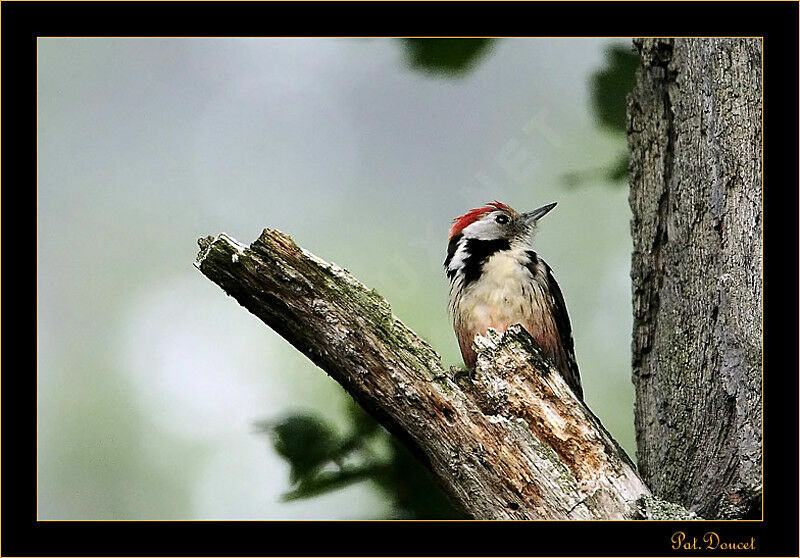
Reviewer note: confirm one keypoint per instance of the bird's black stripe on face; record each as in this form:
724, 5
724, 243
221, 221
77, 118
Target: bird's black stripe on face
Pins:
478, 251
452, 246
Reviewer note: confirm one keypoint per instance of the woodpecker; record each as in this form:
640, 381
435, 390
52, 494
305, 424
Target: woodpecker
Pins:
498, 280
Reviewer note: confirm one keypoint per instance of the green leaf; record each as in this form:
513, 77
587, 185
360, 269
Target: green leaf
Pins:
305, 441
328, 481
445, 57
611, 84
362, 423
620, 170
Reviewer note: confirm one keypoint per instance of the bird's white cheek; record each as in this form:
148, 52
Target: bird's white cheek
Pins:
485, 229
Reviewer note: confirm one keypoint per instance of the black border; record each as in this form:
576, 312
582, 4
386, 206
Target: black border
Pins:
22, 22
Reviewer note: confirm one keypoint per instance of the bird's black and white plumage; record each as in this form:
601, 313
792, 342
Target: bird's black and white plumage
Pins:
498, 280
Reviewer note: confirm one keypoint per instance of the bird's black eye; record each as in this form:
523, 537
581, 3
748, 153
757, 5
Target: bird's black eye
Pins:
502, 219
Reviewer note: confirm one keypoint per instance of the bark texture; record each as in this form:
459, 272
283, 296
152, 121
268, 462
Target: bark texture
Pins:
509, 441
694, 130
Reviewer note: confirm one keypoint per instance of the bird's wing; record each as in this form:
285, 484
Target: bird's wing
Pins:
559, 310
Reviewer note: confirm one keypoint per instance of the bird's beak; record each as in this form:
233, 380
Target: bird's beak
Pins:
536, 214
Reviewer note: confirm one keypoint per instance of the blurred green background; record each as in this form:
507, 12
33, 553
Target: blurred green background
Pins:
161, 398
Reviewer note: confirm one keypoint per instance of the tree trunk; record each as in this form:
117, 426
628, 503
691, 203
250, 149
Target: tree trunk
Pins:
694, 130
509, 441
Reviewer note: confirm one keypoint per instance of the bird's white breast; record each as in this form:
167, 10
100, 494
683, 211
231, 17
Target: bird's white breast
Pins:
506, 293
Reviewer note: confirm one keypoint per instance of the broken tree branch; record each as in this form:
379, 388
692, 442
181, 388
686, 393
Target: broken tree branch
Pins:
508, 441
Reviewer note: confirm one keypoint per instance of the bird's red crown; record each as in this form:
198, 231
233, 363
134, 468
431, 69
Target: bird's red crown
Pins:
460, 223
